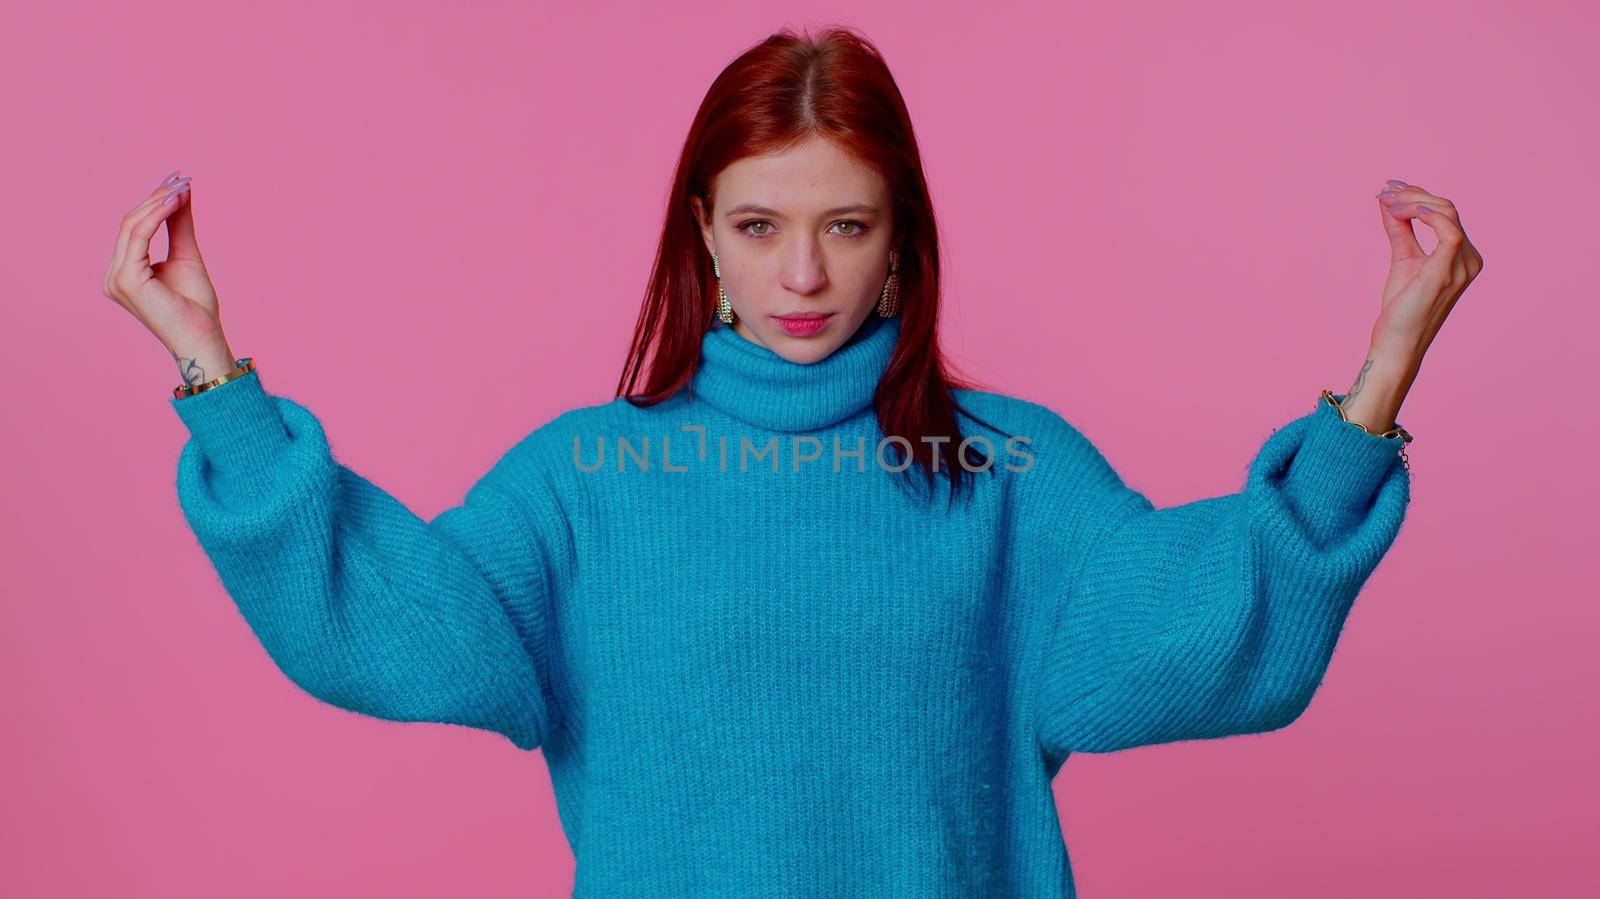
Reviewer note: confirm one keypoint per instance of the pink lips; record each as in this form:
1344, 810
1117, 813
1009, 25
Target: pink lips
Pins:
803, 324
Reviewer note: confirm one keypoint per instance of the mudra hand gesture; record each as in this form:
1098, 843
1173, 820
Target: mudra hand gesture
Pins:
1420, 291
174, 299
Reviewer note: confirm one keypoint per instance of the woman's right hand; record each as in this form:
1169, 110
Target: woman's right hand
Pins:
174, 299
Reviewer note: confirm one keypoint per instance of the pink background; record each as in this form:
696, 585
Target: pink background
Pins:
432, 224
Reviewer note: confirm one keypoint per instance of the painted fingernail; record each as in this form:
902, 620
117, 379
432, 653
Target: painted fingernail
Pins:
1422, 208
1398, 184
1387, 194
167, 180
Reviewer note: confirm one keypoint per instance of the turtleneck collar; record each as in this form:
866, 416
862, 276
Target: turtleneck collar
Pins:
757, 386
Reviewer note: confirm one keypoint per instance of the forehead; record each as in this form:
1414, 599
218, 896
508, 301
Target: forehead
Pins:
814, 174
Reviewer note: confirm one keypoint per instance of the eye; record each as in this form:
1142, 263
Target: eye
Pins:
857, 229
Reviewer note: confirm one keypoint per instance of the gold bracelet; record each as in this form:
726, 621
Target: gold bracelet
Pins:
245, 366
1396, 431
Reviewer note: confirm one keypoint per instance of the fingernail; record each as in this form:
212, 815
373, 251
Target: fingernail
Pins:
1387, 194
1398, 185
165, 181
1422, 208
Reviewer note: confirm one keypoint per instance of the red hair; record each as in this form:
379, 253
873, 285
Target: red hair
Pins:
775, 95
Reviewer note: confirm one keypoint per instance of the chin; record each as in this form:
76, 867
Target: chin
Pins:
803, 350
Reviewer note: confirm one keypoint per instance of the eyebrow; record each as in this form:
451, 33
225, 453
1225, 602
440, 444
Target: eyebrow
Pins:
743, 208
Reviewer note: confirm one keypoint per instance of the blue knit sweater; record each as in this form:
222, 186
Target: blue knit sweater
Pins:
756, 666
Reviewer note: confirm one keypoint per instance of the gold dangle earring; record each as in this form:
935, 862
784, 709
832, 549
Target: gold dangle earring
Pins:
724, 308
889, 302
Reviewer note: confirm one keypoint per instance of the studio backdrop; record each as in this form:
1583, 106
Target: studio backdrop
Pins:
434, 227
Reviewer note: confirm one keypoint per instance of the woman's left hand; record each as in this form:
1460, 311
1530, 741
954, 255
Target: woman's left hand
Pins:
1420, 291
1421, 288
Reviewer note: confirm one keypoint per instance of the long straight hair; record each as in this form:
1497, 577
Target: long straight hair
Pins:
776, 94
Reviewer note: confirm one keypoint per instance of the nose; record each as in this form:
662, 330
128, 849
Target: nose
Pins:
803, 269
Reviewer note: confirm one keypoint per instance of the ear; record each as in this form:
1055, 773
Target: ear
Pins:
702, 217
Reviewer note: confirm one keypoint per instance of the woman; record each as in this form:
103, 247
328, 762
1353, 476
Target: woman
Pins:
762, 646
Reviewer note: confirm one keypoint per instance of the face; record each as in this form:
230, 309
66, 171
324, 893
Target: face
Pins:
802, 232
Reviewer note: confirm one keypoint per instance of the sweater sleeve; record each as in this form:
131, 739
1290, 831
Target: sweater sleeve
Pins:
1216, 617
358, 601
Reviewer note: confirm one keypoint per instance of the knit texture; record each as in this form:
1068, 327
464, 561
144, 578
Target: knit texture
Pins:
758, 666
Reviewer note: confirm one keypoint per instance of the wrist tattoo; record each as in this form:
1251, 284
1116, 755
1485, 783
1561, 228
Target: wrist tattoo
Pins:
1361, 380
190, 370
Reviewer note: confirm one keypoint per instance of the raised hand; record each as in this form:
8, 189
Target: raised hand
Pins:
174, 299
1421, 288
1418, 294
